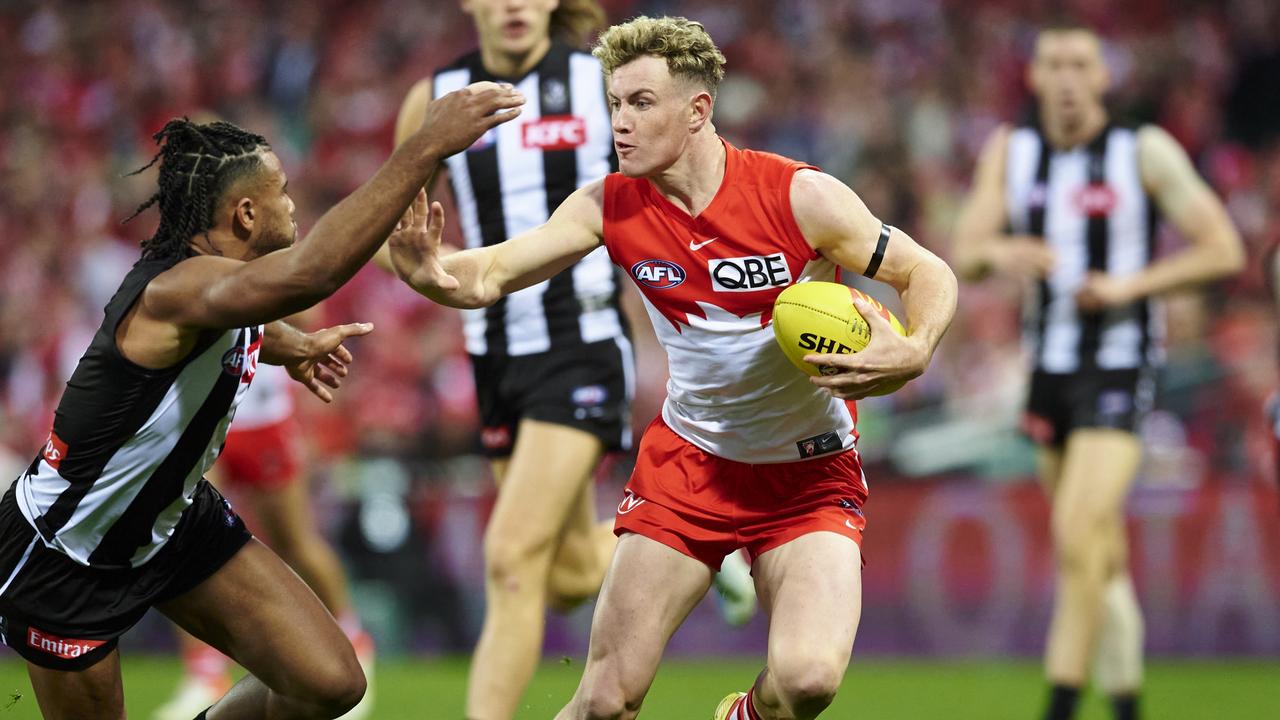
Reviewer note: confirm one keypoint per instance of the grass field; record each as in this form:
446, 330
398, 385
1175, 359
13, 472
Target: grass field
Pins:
875, 689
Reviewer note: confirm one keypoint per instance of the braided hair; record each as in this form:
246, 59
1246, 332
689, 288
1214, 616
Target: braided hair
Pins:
198, 163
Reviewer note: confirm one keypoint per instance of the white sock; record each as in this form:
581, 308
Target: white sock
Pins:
1117, 663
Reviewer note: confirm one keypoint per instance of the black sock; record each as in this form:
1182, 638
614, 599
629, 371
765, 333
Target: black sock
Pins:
204, 714
1062, 702
1125, 707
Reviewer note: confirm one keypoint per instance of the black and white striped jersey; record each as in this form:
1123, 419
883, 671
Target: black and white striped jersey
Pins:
129, 444
1089, 205
514, 177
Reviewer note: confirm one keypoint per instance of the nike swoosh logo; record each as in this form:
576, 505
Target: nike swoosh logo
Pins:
698, 246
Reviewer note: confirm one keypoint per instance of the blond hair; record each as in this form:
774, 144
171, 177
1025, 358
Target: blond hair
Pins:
575, 21
683, 43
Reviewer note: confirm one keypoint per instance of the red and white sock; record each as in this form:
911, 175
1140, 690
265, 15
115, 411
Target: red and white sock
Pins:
744, 709
207, 666
360, 640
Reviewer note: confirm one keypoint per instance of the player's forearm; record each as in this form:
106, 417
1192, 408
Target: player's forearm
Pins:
1201, 263
283, 343
346, 236
929, 300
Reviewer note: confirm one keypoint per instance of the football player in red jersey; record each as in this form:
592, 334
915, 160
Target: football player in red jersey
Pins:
726, 463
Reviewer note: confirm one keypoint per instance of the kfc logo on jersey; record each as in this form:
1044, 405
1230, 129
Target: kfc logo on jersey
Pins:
658, 274
54, 450
1095, 200
748, 274
554, 132
65, 648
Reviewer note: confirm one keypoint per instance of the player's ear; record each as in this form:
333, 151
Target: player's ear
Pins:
700, 110
243, 216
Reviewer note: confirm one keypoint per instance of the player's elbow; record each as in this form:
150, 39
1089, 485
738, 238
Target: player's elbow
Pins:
1231, 258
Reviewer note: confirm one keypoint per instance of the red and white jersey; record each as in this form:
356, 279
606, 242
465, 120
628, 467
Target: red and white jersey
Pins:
268, 402
709, 283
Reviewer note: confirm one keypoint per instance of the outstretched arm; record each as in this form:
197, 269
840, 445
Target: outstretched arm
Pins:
1214, 249
478, 277
837, 224
214, 292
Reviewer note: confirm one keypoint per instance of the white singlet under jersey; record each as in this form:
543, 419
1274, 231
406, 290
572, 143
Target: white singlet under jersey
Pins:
129, 445
1089, 205
709, 284
514, 177
268, 402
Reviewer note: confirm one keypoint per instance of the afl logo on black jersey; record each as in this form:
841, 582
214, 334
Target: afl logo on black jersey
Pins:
233, 361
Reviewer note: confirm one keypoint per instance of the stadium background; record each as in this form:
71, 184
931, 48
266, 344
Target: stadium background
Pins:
894, 97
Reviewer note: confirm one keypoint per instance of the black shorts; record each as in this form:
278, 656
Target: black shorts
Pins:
1062, 402
589, 388
60, 614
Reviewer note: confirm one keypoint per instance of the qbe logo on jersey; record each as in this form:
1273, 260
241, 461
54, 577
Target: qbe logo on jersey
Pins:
554, 132
748, 274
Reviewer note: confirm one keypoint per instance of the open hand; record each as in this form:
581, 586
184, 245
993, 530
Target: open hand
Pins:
456, 120
887, 361
415, 247
326, 359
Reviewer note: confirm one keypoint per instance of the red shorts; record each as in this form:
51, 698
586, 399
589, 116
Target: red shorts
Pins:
706, 506
266, 458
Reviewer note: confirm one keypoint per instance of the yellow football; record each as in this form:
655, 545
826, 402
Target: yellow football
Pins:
819, 317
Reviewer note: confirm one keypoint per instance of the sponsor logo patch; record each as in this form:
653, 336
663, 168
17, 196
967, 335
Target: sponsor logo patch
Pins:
748, 274
555, 132
658, 274
589, 395
496, 437
65, 648
54, 450
630, 501
1095, 200
819, 444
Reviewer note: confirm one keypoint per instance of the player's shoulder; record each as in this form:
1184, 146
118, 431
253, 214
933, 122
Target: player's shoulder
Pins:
173, 283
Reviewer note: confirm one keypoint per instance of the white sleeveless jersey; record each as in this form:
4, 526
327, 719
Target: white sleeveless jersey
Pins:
1089, 205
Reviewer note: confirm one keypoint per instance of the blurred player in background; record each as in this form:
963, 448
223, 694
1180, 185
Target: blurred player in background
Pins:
747, 452
262, 465
113, 515
1068, 204
553, 362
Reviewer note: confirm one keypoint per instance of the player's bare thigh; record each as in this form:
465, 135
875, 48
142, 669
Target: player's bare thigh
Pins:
812, 589
648, 592
260, 613
1098, 468
95, 693
540, 484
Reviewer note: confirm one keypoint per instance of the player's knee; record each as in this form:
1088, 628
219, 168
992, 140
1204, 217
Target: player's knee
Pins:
1079, 538
508, 561
609, 703
807, 684
337, 687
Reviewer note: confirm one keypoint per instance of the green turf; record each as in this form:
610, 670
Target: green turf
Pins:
874, 689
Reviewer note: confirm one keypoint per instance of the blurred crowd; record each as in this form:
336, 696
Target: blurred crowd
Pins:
893, 96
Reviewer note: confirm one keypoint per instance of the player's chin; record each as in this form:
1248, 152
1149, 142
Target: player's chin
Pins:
632, 168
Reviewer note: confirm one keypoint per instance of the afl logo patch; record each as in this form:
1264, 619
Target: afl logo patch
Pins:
658, 274
233, 361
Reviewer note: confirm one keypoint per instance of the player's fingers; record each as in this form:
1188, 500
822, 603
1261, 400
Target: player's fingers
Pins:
844, 361
335, 366
353, 330
435, 223
419, 209
500, 117
319, 390
342, 353
871, 314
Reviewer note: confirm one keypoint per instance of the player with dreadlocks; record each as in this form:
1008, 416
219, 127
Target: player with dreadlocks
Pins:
113, 516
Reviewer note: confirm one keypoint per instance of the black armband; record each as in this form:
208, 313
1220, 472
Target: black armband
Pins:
878, 255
